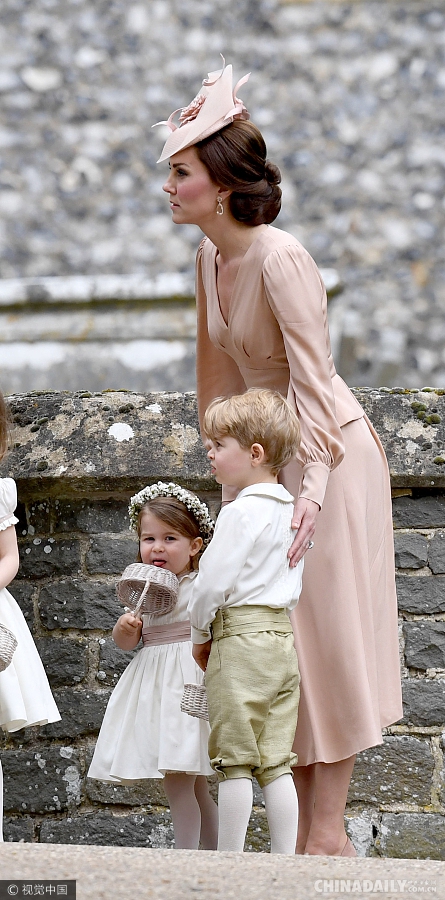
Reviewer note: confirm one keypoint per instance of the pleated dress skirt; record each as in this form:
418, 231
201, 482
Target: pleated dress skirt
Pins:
345, 624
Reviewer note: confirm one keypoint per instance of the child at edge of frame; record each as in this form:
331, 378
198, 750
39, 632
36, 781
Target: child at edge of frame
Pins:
239, 612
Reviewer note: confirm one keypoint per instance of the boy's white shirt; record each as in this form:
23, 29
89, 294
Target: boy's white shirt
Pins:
246, 562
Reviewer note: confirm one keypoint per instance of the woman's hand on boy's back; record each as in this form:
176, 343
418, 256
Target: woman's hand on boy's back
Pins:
127, 631
201, 653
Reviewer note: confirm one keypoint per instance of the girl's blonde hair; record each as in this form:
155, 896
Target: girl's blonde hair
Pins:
5, 426
259, 416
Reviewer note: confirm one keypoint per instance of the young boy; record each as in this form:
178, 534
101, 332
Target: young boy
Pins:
241, 633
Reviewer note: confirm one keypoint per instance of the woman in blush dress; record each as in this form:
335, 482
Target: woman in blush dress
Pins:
262, 322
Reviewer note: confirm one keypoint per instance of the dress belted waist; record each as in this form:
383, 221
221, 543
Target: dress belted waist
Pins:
166, 634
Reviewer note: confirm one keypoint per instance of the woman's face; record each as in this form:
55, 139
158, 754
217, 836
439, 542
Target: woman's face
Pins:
192, 192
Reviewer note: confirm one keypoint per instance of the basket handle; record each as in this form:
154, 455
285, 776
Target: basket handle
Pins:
140, 602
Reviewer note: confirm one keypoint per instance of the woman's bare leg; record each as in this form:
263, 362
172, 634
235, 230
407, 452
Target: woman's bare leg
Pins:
304, 780
209, 814
327, 835
184, 808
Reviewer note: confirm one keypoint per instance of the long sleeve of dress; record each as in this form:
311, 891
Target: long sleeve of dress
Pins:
217, 373
297, 299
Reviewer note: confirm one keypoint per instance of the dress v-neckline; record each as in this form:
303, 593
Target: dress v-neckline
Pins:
218, 302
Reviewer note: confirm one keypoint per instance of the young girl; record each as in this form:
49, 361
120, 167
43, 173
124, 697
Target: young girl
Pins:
144, 734
25, 695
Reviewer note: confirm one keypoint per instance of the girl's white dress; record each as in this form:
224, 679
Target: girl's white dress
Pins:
25, 695
144, 734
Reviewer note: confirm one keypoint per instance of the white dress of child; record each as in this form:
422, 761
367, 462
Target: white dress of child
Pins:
25, 695
144, 733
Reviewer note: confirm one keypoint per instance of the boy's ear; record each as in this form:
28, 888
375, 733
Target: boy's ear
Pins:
257, 455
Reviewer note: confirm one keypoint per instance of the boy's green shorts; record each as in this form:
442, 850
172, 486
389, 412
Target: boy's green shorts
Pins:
252, 682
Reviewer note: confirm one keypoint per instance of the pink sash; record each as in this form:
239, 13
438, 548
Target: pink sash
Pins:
166, 634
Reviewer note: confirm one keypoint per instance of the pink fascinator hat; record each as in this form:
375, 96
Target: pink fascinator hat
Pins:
215, 106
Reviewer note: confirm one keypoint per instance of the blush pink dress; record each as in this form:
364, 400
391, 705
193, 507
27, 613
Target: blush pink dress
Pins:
345, 624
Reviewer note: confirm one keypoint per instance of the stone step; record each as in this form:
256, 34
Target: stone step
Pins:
130, 873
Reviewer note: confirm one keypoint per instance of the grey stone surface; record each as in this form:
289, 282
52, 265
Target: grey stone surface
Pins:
112, 662
24, 593
423, 702
43, 780
45, 558
76, 603
418, 512
398, 770
159, 433
149, 830
424, 596
81, 713
406, 836
118, 873
425, 644
66, 663
18, 829
436, 553
91, 517
411, 551
108, 557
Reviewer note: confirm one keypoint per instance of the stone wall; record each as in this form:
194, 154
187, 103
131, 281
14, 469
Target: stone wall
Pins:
77, 458
350, 98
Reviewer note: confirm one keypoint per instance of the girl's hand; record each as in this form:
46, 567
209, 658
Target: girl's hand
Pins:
201, 653
127, 631
304, 519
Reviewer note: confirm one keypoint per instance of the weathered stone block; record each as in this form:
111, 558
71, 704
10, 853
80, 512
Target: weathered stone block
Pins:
40, 781
436, 553
24, 593
412, 836
421, 595
146, 793
411, 551
423, 702
107, 556
82, 713
425, 644
18, 829
41, 558
65, 662
112, 662
149, 830
418, 512
39, 517
91, 516
79, 604
400, 769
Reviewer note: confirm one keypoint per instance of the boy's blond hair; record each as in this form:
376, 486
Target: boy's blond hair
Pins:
259, 416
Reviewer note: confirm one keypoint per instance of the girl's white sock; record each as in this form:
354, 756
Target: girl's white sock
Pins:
235, 798
281, 802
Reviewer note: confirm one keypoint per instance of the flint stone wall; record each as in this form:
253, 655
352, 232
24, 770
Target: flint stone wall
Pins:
350, 98
76, 459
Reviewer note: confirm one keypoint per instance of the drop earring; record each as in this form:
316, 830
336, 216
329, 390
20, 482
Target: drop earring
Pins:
219, 206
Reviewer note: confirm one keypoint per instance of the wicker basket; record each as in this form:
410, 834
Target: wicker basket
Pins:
8, 643
148, 589
194, 701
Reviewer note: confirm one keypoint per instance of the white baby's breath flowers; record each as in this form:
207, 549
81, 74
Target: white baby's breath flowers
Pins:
188, 498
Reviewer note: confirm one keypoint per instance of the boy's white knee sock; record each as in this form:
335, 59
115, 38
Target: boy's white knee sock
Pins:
235, 798
281, 802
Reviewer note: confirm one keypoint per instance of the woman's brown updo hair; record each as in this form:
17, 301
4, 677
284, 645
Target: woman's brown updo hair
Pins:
235, 159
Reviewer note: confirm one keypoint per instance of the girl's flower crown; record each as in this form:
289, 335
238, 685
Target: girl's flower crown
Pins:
198, 510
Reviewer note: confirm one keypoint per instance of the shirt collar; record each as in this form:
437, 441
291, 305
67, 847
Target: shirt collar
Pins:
265, 489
